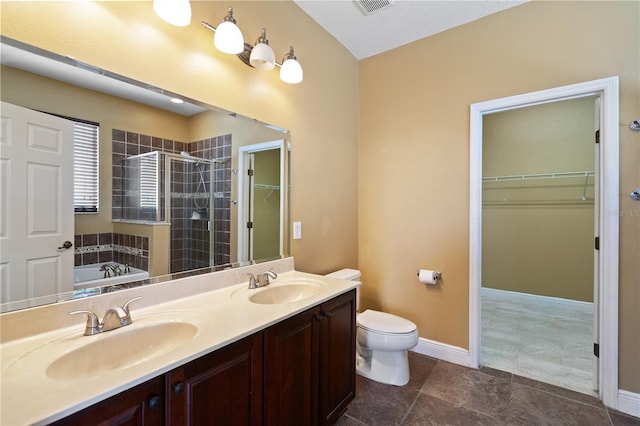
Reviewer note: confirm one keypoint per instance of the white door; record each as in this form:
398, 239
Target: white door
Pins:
36, 211
247, 194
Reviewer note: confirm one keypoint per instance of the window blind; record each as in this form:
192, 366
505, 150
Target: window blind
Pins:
85, 162
149, 181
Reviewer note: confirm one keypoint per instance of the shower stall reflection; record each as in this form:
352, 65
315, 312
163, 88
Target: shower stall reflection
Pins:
178, 189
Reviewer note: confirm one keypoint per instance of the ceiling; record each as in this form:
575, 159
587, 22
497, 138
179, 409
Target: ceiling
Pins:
399, 21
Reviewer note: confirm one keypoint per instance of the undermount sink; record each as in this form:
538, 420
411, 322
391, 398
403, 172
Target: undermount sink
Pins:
284, 294
124, 348
281, 291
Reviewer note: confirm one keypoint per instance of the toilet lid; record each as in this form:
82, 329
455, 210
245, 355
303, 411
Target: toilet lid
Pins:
384, 322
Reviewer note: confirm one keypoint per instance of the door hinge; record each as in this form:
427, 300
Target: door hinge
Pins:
249, 172
597, 243
249, 225
596, 350
598, 136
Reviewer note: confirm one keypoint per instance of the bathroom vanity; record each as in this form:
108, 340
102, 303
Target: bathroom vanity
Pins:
228, 355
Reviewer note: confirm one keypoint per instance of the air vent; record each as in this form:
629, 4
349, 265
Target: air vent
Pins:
370, 6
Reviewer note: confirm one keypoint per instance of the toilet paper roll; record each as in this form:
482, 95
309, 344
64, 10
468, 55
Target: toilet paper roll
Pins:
427, 276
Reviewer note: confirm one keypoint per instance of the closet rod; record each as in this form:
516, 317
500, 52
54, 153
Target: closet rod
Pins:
539, 176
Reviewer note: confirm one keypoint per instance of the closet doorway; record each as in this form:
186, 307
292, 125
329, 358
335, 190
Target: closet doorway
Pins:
605, 195
538, 216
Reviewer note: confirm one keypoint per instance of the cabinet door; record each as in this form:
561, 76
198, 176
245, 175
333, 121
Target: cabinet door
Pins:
142, 405
337, 356
291, 370
221, 388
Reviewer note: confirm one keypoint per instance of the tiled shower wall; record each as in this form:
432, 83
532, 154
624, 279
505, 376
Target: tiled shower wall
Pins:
189, 238
132, 250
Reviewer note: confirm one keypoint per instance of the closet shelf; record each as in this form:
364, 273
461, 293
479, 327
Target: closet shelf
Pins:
264, 186
559, 175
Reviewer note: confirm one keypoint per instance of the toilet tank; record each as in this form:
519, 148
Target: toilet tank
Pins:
346, 274
350, 275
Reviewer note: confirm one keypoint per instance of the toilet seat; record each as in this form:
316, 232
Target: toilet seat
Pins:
385, 323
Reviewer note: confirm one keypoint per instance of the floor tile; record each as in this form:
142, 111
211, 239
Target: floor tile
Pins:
428, 410
379, 404
619, 419
469, 389
536, 407
545, 339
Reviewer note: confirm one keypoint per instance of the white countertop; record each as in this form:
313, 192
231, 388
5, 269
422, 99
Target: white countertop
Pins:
222, 316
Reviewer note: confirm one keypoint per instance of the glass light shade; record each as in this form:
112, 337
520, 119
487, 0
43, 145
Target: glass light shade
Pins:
262, 57
291, 72
175, 12
228, 38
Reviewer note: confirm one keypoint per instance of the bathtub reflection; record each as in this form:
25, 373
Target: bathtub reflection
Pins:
89, 276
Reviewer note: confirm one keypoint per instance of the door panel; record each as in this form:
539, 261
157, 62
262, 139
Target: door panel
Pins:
36, 216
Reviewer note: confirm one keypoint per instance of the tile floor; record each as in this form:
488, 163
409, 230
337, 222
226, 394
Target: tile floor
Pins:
545, 339
440, 393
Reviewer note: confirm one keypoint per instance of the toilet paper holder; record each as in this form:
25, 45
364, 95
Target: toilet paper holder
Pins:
436, 275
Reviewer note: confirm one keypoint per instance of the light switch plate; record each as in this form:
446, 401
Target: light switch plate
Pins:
297, 230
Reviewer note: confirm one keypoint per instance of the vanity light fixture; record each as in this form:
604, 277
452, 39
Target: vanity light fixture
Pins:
228, 39
175, 12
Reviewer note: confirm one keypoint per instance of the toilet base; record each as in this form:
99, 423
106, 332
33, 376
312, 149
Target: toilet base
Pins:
390, 368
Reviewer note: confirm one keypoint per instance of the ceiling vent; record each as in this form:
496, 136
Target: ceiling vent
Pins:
370, 6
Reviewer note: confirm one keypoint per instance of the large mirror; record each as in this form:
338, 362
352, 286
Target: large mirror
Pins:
180, 187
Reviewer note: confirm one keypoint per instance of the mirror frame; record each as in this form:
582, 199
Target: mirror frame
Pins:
158, 95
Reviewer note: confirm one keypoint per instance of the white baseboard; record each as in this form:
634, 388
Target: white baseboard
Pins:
629, 403
442, 351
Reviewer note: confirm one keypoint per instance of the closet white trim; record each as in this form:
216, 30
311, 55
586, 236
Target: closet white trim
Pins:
608, 184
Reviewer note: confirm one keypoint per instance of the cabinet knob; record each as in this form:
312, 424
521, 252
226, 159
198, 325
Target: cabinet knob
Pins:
317, 317
178, 387
155, 402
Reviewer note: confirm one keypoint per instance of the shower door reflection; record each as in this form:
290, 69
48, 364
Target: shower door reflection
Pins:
179, 189
190, 207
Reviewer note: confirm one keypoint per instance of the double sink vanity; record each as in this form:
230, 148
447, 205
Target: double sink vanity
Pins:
200, 350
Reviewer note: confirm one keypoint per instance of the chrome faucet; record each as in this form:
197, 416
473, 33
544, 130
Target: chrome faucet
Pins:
115, 268
115, 317
261, 280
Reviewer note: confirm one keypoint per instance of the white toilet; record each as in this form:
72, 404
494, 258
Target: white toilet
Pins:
382, 341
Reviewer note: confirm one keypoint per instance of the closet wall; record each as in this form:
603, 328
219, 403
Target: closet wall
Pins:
538, 199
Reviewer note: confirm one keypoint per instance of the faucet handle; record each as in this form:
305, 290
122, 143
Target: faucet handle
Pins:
127, 319
126, 305
253, 282
93, 323
263, 278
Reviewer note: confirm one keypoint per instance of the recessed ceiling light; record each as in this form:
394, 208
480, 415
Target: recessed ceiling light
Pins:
177, 101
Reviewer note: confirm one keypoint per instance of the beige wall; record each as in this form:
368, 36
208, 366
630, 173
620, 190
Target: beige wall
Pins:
413, 181
537, 233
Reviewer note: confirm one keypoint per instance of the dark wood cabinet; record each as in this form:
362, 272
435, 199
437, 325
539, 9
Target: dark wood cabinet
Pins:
337, 357
142, 405
221, 388
300, 371
309, 365
291, 374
